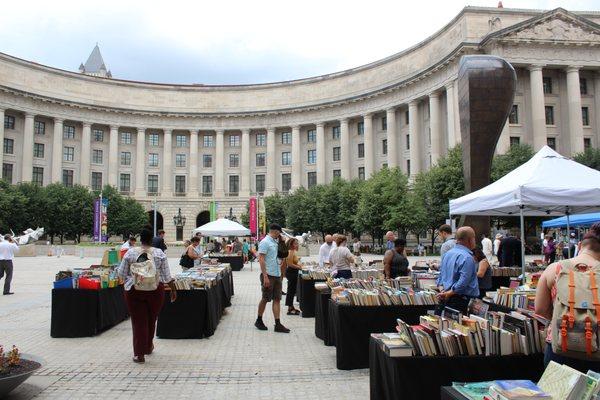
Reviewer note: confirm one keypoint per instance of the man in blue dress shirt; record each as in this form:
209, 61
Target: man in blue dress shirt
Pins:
458, 273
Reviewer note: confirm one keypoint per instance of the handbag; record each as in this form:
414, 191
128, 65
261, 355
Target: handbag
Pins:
186, 261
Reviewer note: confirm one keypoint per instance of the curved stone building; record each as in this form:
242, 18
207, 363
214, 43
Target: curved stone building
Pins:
187, 145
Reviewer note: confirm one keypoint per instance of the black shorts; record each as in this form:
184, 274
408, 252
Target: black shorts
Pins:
273, 292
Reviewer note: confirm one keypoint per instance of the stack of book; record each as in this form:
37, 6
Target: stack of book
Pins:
200, 277
506, 271
425, 280
513, 297
382, 296
367, 273
393, 344
315, 274
502, 390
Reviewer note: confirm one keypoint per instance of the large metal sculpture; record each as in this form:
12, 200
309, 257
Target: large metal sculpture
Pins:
486, 89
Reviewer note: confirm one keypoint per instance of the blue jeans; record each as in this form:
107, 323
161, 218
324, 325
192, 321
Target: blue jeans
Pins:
582, 366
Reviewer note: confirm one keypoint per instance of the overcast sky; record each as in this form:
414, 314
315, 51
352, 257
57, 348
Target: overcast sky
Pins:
226, 41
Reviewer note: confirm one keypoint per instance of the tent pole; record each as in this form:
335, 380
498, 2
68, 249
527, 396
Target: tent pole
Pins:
568, 233
522, 243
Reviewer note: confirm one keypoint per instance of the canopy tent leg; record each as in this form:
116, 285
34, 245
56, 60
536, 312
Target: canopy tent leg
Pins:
522, 218
568, 233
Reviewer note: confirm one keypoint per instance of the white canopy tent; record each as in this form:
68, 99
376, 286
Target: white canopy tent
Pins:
548, 184
223, 227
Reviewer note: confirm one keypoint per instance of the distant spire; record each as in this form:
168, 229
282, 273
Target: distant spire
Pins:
500, 4
95, 65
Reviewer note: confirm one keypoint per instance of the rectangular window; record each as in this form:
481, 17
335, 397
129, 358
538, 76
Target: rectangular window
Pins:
180, 141
38, 150
361, 150
547, 83
361, 173
37, 176
97, 156
336, 153
312, 156
98, 135
335, 132
514, 141
68, 153
234, 184
153, 139
207, 160
125, 183
180, 160
513, 117
234, 140
96, 180
67, 177
39, 127
407, 142
68, 132
207, 184
7, 172
587, 143
312, 179
208, 141
311, 136
153, 159
551, 142
384, 146
360, 128
406, 117
234, 161
286, 158
286, 182
125, 137
125, 158
408, 167
549, 115
384, 123
9, 122
337, 173
286, 137
9, 146
260, 183
585, 116
152, 183
261, 139
179, 183
261, 159
583, 86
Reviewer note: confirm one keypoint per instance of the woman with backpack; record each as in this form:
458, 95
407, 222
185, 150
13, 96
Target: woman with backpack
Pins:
145, 270
567, 294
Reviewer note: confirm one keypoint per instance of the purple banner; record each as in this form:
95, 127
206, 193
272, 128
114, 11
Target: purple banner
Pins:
97, 217
104, 220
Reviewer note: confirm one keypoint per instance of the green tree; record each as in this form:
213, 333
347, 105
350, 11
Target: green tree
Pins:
80, 202
516, 156
275, 208
349, 196
13, 209
299, 211
56, 200
590, 157
245, 217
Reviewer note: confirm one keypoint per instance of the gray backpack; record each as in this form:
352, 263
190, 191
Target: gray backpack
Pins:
145, 274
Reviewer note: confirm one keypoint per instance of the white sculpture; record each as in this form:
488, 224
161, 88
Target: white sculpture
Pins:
302, 239
28, 236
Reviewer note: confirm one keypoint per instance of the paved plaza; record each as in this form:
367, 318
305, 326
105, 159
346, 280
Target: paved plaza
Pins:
237, 362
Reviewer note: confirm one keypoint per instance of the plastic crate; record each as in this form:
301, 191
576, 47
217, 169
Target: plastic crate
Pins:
66, 283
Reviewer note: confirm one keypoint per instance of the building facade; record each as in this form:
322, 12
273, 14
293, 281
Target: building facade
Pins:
183, 146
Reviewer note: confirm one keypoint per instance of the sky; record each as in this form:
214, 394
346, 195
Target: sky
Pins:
226, 41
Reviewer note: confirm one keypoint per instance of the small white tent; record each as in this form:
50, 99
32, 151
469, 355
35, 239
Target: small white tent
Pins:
223, 227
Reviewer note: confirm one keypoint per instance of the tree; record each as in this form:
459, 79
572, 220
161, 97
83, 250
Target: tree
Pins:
590, 157
348, 198
275, 208
299, 209
13, 208
125, 215
516, 156
80, 202
56, 206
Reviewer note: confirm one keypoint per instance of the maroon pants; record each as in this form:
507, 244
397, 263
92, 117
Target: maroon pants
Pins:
144, 308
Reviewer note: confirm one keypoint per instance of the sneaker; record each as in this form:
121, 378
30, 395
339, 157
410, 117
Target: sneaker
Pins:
260, 325
8, 293
282, 329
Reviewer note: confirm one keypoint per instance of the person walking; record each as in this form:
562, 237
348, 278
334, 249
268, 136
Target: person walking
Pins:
484, 272
291, 273
487, 247
458, 273
356, 247
8, 248
395, 264
145, 305
245, 250
448, 239
550, 251
270, 278
324, 251
159, 241
341, 259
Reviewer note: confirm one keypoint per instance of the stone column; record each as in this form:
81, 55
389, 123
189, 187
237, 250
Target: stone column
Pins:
457, 134
538, 113
369, 154
321, 156
450, 115
113, 157
271, 162
345, 149
504, 141
140, 162
193, 179
434, 126
245, 164
392, 138
574, 105
296, 158
415, 141
167, 162
86, 144
597, 108
27, 158
219, 164
57, 151
2, 137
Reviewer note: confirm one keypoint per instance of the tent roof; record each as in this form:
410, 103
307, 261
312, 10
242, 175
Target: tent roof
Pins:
547, 184
223, 227
574, 220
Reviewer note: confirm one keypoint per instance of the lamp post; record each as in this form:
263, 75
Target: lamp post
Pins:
179, 221
154, 210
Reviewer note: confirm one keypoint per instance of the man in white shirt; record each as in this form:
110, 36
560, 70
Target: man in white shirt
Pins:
487, 247
8, 247
325, 250
130, 243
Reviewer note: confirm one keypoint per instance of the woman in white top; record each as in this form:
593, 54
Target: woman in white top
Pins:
341, 259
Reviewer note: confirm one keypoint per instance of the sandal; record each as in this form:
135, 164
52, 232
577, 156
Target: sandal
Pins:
293, 312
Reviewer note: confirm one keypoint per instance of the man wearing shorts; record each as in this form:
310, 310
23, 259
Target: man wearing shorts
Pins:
270, 278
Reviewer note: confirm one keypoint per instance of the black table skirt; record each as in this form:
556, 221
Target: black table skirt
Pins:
81, 312
418, 378
306, 294
322, 316
350, 329
236, 262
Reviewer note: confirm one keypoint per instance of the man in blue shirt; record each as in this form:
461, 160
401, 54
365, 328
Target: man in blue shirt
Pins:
458, 273
390, 237
270, 278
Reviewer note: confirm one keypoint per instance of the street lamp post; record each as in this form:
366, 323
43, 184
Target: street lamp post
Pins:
179, 221
154, 207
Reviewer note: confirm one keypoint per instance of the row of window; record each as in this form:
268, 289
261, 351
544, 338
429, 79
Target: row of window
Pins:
547, 84
550, 141
513, 117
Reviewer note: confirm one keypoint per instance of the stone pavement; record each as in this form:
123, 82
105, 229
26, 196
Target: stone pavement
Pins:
237, 362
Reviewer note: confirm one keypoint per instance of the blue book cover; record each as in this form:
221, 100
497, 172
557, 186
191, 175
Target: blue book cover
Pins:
519, 387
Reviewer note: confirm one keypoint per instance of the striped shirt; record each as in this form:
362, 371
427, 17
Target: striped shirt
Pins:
160, 260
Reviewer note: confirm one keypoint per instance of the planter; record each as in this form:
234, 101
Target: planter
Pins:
9, 382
